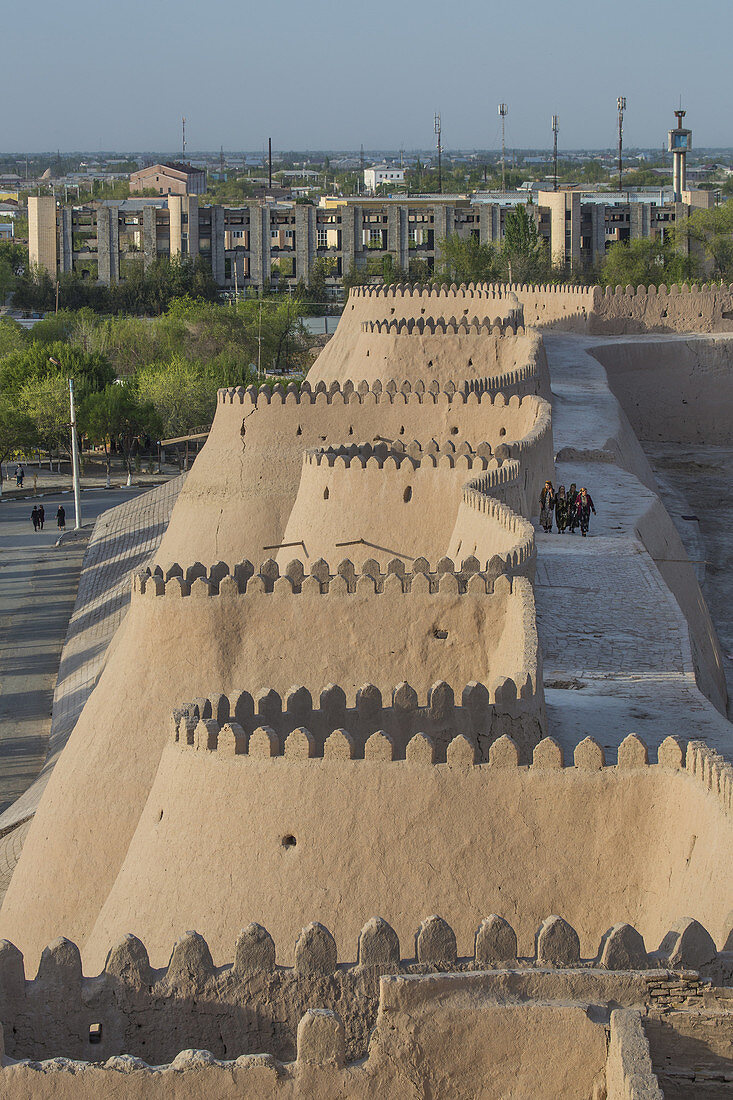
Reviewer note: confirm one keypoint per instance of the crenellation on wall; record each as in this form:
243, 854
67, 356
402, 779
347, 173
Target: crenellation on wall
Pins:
255, 1004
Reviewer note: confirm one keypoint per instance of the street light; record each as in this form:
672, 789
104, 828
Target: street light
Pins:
74, 450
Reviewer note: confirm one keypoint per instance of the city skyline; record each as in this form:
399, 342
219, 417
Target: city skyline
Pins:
328, 77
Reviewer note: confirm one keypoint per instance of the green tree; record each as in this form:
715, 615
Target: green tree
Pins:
710, 232
182, 393
467, 260
524, 251
118, 415
16, 431
644, 261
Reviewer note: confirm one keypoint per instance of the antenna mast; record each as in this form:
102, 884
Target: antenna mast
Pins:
555, 130
621, 104
437, 131
503, 112
183, 145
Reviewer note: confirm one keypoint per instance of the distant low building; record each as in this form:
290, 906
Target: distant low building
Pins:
173, 178
378, 174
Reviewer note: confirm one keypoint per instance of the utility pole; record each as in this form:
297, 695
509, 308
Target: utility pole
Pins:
503, 112
555, 129
75, 459
183, 143
437, 132
269, 162
621, 104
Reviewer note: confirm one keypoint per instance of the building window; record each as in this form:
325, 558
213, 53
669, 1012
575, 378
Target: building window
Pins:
323, 238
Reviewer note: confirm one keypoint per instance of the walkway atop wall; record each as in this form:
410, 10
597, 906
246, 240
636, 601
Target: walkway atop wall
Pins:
612, 633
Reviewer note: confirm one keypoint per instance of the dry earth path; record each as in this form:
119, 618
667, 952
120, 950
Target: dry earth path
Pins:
616, 647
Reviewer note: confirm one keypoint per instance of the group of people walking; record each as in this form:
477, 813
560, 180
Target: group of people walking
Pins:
570, 509
38, 517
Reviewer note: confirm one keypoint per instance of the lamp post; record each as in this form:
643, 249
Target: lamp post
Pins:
74, 451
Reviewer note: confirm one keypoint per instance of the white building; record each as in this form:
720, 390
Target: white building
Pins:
382, 173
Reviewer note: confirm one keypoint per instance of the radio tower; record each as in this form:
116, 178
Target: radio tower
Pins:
183, 144
621, 104
437, 131
555, 129
503, 112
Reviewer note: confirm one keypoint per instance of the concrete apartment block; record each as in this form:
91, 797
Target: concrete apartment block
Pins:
42, 246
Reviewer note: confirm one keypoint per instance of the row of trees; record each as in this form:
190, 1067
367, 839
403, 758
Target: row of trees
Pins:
142, 292
137, 379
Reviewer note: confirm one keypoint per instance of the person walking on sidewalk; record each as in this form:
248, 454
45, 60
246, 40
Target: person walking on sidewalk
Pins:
61, 518
547, 506
584, 507
41, 515
35, 518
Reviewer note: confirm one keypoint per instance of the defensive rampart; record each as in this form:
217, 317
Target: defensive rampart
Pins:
625, 310
324, 822
254, 1005
673, 390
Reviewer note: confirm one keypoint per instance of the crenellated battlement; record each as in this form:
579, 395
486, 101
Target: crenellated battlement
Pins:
439, 326
483, 291
254, 1005
393, 454
470, 579
393, 392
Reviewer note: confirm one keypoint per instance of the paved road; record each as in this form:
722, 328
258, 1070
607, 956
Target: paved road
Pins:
38, 584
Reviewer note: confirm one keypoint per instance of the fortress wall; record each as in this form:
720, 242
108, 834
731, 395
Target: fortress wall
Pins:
673, 390
555, 305
169, 648
240, 492
403, 303
401, 505
621, 310
659, 535
637, 843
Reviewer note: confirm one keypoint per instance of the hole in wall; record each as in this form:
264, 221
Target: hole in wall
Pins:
367, 354
299, 431
407, 495
392, 311
502, 431
95, 1033
160, 817
288, 841
454, 431
402, 429
470, 362
351, 430
423, 309
440, 634
430, 362
325, 493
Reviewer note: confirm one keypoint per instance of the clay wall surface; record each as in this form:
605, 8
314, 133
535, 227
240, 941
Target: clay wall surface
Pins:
629, 1073
400, 505
240, 493
673, 390
706, 308
174, 646
253, 1005
676, 834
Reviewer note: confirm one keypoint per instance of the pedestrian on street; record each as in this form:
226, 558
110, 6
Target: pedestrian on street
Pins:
35, 518
61, 518
41, 515
572, 508
584, 508
21, 475
561, 510
547, 505
18, 476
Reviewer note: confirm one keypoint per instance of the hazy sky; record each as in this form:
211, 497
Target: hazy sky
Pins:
314, 74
